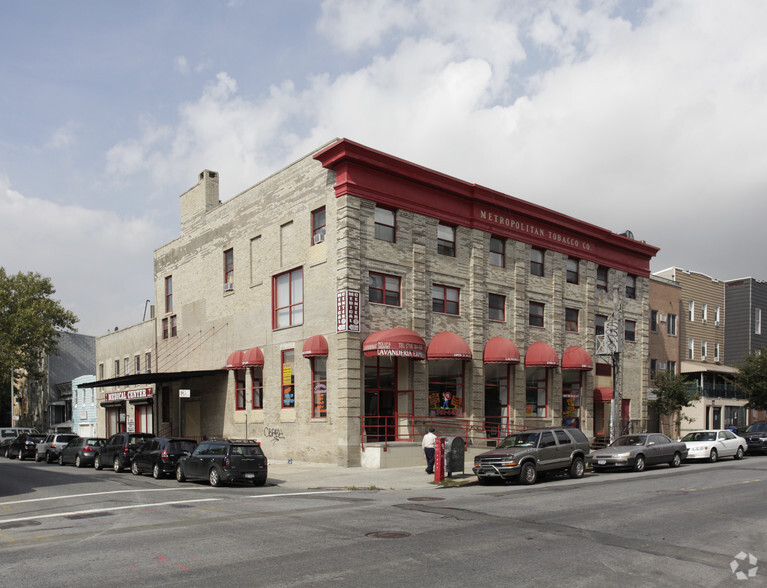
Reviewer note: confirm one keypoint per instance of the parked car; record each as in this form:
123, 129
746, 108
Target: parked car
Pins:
713, 444
756, 437
13, 432
48, 449
523, 455
224, 460
5, 445
118, 451
24, 445
160, 455
81, 451
638, 451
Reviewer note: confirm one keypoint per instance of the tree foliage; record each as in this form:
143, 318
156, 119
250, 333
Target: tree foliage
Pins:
752, 378
30, 322
673, 393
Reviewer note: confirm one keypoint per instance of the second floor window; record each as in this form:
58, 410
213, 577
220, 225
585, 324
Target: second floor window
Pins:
137, 364
654, 321
496, 307
573, 273
671, 324
229, 268
318, 226
599, 324
384, 289
148, 363
446, 240
445, 299
168, 294
385, 224
535, 317
169, 326
497, 252
571, 320
536, 261
288, 299
691, 310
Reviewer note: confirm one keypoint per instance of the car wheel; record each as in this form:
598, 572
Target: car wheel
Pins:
37, 457
576, 468
713, 457
49, 458
528, 474
97, 462
116, 466
259, 480
676, 461
180, 477
739, 453
78, 462
61, 459
639, 463
214, 477
134, 469
157, 471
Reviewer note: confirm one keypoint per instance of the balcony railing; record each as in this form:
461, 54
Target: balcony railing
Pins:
721, 391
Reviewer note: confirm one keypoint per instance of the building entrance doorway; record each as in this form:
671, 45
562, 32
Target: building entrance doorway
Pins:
380, 398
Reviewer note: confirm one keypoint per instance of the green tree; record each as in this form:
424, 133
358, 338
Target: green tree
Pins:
673, 394
30, 323
752, 378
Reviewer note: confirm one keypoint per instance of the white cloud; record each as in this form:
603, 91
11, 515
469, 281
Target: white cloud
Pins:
85, 253
181, 64
64, 137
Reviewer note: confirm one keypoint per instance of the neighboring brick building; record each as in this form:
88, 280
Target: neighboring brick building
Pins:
353, 298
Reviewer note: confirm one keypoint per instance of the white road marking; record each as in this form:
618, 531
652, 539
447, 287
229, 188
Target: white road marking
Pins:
101, 494
299, 493
94, 510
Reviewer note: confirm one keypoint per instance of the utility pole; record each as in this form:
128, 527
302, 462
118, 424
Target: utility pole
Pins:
13, 398
611, 344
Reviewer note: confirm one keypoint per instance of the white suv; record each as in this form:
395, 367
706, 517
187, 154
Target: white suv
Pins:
50, 447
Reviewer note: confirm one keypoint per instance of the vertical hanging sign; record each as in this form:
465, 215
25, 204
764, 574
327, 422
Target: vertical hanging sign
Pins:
348, 311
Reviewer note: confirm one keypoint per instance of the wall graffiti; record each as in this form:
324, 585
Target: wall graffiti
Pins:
274, 433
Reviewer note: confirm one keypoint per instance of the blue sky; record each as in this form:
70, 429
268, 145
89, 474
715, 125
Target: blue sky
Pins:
646, 116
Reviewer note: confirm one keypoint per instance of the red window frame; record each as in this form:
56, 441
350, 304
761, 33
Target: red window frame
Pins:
571, 320
382, 230
497, 303
319, 388
288, 386
383, 294
497, 252
257, 388
440, 301
143, 416
294, 304
229, 266
173, 325
446, 240
536, 314
319, 223
240, 400
168, 294
537, 259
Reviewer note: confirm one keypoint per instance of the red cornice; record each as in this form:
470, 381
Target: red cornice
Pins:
390, 181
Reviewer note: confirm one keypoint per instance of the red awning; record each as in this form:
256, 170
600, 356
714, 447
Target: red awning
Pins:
541, 355
316, 346
253, 357
500, 350
576, 358
447, 345
395, 343
603, 394
234, 362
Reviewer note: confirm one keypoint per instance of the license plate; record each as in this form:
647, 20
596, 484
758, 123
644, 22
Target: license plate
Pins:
249, 475
601, 462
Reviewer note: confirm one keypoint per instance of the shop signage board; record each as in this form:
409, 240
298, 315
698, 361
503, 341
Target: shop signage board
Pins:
348, 311
137, 394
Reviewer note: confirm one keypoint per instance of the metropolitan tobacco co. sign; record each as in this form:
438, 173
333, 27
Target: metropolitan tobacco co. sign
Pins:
137, 394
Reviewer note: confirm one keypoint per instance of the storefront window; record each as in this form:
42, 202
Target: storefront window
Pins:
239, 389
257, 385
536, 402
319, 388
288, 380
144, 418
380, 400
496, 398
446, 388
571, 398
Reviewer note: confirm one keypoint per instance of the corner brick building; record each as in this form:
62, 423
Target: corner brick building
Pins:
342, 305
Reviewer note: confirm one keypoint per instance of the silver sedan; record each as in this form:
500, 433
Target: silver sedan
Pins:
638, 451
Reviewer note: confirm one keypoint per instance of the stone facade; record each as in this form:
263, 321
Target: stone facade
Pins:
248, 281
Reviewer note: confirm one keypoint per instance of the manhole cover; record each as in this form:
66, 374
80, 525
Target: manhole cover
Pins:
387, 534
425, 498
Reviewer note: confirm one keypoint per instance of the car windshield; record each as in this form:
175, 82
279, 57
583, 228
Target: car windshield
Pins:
249, 450
520, 440
182, 446
629, 441
700, 436
757, 428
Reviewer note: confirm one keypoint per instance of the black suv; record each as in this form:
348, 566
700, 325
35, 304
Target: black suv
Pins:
756, 437
160, 455
225, 460
119, 449
524, 454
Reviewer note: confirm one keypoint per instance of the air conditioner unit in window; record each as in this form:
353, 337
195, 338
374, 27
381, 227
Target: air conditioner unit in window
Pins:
319, 238
716, 323
662, 318
228, 286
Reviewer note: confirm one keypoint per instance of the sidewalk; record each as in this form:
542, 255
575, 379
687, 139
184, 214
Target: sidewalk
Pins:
303, 476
